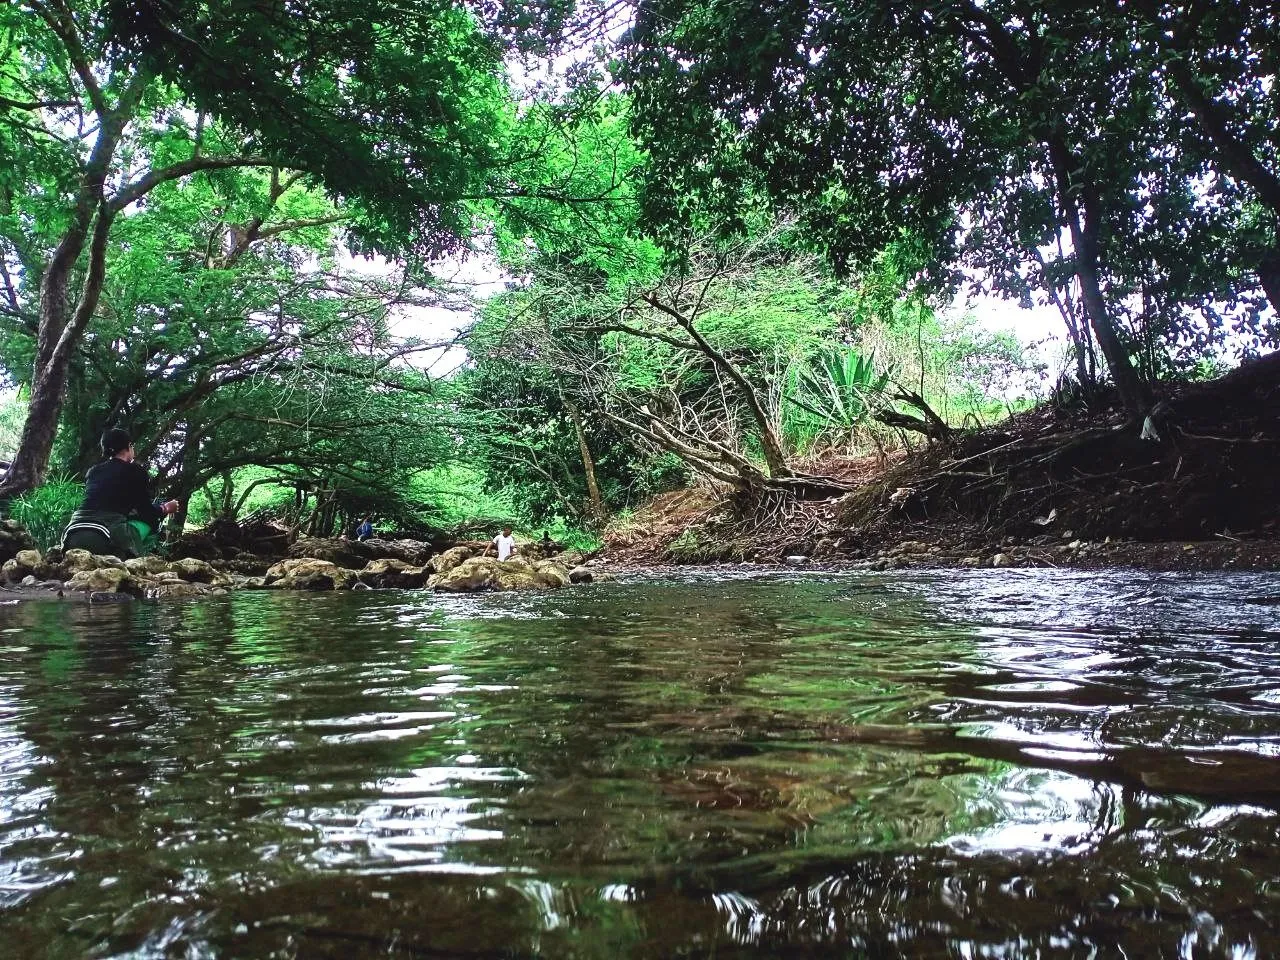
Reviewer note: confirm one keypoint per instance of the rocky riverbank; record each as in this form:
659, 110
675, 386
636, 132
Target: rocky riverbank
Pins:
314, 564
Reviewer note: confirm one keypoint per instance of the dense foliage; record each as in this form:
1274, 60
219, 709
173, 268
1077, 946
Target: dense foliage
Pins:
728, 238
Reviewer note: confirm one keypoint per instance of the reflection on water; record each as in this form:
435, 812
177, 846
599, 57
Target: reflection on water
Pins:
960, 764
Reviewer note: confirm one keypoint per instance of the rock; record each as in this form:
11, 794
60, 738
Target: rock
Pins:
1002, 560
390, 572
30, 580
103, 580
485, 573
911, 546
14, 539
454, 556
253, 583
181, 590
555, 575
194, 571
414, 553
795, 560
80, 561
146, 566
581, 575
23, 564
308, 573
351, 554
106, 597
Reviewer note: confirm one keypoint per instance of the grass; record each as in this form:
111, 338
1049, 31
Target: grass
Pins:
45, 510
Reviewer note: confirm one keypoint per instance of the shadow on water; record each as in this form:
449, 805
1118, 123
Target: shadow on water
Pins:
975, 764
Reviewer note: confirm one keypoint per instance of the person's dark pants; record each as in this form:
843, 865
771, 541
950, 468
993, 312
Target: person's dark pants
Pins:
102, 532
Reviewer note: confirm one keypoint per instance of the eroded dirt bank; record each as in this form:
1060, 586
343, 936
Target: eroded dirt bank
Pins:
1073, 486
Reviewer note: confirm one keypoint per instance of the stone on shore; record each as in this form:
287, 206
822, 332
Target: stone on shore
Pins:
106, 579
309, 573
452, 557
181, 590
390, 572
14, 539
486, 573
146, 566
195, 571
348, 554
25, 563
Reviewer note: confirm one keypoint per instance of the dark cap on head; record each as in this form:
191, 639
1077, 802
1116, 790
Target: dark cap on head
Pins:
115, 440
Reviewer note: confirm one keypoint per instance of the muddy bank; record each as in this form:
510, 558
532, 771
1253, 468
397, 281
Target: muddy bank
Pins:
1196, 486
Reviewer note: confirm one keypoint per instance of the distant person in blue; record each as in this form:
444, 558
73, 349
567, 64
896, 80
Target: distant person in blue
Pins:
365, 530
118, 515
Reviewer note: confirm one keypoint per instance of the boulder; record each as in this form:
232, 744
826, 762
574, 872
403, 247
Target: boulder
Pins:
80, 561
454, 556
555, 575
24, 563
581, 575
194, 571
14, 539
486, 573
351, 554
308, 573
181, 590
146, 566
104, 580
393, 573
414, 553
197, 544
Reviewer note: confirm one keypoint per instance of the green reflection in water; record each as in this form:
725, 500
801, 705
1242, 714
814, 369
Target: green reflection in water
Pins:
646, 768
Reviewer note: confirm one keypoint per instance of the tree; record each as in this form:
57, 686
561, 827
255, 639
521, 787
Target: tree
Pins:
398, 109
989, 131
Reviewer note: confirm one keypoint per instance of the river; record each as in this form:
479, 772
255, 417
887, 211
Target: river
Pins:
959, 764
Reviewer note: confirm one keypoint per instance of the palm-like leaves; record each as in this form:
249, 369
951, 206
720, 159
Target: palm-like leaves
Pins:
830, 395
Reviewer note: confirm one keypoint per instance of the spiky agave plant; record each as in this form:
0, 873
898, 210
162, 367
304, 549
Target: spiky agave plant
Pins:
830, 395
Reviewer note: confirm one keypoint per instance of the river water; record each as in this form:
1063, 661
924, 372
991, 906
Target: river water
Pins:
976, 764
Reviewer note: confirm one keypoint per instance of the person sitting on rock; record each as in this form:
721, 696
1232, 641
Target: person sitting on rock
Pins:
365, 530
504, 542
118, 515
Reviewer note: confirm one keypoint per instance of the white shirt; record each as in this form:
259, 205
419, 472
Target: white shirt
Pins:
505, 546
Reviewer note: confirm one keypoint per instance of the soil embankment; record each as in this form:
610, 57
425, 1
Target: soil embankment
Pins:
1197, 486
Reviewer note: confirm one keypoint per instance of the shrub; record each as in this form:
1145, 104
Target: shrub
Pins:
45, 510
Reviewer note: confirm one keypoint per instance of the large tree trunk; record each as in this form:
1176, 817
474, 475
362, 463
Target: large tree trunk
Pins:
1082, 224
1269, 276
595, 502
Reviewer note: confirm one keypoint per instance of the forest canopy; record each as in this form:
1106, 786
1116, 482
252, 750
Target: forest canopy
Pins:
730, 238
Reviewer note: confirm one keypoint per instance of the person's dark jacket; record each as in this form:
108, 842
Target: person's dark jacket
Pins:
123, 488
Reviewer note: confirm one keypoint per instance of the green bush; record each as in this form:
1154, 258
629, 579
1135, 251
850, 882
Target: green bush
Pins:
45, 510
